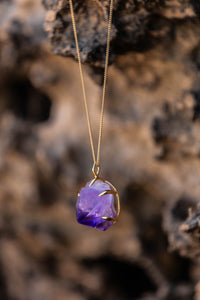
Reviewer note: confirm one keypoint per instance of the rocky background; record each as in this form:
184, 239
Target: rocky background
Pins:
151, 150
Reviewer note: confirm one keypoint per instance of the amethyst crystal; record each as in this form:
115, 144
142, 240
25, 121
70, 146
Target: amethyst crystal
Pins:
91, 207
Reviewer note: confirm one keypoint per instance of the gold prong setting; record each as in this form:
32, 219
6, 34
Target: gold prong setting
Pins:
107, 192
112, 191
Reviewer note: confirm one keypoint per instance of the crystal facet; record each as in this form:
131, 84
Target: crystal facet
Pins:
91, 208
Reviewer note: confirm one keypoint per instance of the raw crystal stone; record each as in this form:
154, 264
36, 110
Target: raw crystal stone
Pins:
91, 207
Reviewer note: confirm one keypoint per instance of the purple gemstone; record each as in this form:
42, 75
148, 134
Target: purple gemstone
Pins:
91, 207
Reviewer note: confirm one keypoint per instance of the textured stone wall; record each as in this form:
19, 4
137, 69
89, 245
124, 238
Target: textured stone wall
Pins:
150, 151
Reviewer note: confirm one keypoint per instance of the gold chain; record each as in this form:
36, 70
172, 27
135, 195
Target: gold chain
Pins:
96, 158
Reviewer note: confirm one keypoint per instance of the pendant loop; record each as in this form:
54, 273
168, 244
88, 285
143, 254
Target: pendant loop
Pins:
96, 169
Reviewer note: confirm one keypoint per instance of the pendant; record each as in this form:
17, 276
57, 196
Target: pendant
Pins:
98, 204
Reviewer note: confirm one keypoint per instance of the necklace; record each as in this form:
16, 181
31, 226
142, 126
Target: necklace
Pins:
98, 204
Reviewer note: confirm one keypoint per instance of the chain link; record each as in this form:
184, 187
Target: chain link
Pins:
96, 158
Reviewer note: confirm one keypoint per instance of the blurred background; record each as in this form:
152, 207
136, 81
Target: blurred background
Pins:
150, 151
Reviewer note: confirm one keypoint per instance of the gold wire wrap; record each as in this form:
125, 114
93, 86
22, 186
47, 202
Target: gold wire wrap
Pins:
96, 158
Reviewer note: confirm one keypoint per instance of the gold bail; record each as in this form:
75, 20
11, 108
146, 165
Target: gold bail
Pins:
96, 169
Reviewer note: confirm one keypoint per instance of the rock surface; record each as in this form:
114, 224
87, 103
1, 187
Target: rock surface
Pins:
152, 122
